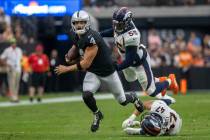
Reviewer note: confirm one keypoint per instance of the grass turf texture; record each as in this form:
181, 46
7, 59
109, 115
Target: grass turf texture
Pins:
46, 95
71, 121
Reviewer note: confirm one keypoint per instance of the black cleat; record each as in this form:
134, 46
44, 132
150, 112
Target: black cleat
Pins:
98, 116
137, 102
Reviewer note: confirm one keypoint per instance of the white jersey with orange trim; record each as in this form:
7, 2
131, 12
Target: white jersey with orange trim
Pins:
172, 121
127, 38
141, 72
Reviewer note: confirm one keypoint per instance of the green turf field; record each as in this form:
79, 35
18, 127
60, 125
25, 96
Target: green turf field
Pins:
71, 121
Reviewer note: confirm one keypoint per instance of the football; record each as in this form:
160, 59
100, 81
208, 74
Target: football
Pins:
72, 54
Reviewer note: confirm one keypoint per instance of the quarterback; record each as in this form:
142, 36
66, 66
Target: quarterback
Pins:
96, 60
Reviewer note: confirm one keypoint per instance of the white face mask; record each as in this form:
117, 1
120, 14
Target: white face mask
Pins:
79, 27
80, 22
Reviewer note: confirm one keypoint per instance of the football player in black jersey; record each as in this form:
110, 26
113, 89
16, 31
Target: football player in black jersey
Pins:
96, 60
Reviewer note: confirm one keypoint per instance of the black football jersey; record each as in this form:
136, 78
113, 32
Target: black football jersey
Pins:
102, 64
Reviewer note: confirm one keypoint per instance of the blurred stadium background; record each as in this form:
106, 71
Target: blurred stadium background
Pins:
176, 32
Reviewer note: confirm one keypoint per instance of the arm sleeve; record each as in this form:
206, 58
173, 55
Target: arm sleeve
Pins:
130, 56
107, 33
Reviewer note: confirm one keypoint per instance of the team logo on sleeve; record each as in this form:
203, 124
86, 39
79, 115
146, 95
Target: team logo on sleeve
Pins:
92, 40
81, 52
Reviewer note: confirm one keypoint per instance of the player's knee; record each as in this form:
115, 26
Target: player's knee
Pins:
121, 100
87, 95
151, 92
130, 78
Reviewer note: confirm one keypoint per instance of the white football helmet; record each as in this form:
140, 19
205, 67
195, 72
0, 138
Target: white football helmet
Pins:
80, 16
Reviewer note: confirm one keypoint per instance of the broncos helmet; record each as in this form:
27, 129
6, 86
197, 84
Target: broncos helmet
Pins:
121, 19
152, 124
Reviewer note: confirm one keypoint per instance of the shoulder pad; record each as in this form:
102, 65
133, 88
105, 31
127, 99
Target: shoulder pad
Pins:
132, 38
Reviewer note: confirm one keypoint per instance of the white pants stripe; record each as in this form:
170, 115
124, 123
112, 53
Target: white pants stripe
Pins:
139, 73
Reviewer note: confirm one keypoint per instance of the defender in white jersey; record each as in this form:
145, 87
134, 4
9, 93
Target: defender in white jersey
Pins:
136, 63
160, 120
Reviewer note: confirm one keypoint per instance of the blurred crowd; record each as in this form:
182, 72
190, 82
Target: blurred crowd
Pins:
24, 67
107, 3
179, 48
23, 29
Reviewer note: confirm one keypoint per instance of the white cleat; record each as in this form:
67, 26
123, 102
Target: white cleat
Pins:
169, 98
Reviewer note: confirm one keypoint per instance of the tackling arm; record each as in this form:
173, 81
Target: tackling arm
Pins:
130, 57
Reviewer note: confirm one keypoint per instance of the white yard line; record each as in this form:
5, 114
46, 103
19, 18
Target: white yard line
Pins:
56, 100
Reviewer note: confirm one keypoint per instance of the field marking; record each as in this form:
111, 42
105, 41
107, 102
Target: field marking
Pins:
57, 100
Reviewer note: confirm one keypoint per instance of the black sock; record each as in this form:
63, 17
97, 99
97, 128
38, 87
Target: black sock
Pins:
129, 99
90, 101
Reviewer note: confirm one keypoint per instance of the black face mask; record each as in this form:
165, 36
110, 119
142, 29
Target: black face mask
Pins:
118, 26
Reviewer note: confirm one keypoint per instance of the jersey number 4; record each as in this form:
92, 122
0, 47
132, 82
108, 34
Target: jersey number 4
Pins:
92, 40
